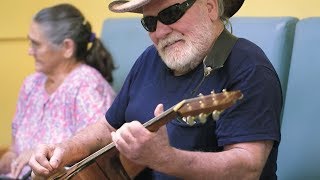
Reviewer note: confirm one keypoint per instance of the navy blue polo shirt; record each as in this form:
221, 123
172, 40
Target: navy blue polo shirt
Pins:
255, 117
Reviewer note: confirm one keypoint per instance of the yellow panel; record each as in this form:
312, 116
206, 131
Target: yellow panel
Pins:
296, 8
15, 15
14, 66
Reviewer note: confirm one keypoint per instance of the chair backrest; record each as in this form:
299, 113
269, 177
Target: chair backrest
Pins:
126, 39
274, 35
299, 150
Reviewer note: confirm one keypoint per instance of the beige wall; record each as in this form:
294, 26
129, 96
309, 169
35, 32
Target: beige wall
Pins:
15, 17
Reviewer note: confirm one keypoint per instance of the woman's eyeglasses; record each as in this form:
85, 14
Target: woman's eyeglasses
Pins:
167, 16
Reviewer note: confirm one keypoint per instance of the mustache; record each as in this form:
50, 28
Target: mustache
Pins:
171, 39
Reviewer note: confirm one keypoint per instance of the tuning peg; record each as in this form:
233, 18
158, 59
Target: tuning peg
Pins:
200, 94
224, 90
191, 120
202, 118
216, 115
212, 92
241, 96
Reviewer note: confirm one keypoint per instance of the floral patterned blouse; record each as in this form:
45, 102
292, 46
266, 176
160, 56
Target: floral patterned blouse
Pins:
81, 99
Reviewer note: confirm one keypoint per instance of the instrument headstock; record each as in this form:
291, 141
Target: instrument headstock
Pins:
200, 107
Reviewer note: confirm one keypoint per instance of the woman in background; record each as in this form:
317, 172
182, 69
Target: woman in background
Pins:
69, 90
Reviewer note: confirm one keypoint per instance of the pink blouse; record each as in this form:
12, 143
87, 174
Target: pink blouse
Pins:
81, 99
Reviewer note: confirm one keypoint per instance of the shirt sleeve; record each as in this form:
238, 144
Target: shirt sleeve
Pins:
92, 102
256, 116
29, 84
116, 113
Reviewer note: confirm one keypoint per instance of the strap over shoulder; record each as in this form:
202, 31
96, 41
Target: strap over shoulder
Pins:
220, 50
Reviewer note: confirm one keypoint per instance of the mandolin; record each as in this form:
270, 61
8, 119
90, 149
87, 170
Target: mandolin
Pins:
108, 163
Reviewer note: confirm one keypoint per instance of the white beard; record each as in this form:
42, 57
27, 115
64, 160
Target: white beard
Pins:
188, 52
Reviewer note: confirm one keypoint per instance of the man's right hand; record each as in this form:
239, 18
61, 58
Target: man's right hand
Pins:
46, 160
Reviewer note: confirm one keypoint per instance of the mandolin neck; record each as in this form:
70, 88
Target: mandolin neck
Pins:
155, 123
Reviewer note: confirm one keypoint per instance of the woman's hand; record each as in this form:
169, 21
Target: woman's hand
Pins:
18, 163
5, 162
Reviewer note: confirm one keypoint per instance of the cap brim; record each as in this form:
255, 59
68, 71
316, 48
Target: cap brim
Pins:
121, 6
135, 6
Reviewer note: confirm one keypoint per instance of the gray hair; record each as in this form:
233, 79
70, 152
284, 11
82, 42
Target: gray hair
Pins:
65, 21
221, 8
223, 18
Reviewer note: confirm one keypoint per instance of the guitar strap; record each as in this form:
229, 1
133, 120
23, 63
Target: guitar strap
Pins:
220, 50
217, 56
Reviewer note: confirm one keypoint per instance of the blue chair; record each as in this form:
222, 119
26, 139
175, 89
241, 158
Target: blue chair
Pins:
274, 35
126, 39
299, 150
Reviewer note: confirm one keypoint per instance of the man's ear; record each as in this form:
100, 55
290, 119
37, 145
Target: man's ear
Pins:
68, 48
213, 8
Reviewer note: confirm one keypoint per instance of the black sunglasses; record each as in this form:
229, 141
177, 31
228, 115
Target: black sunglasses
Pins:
167, 16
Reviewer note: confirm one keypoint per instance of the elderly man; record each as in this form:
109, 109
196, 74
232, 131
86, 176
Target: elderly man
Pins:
192, 53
